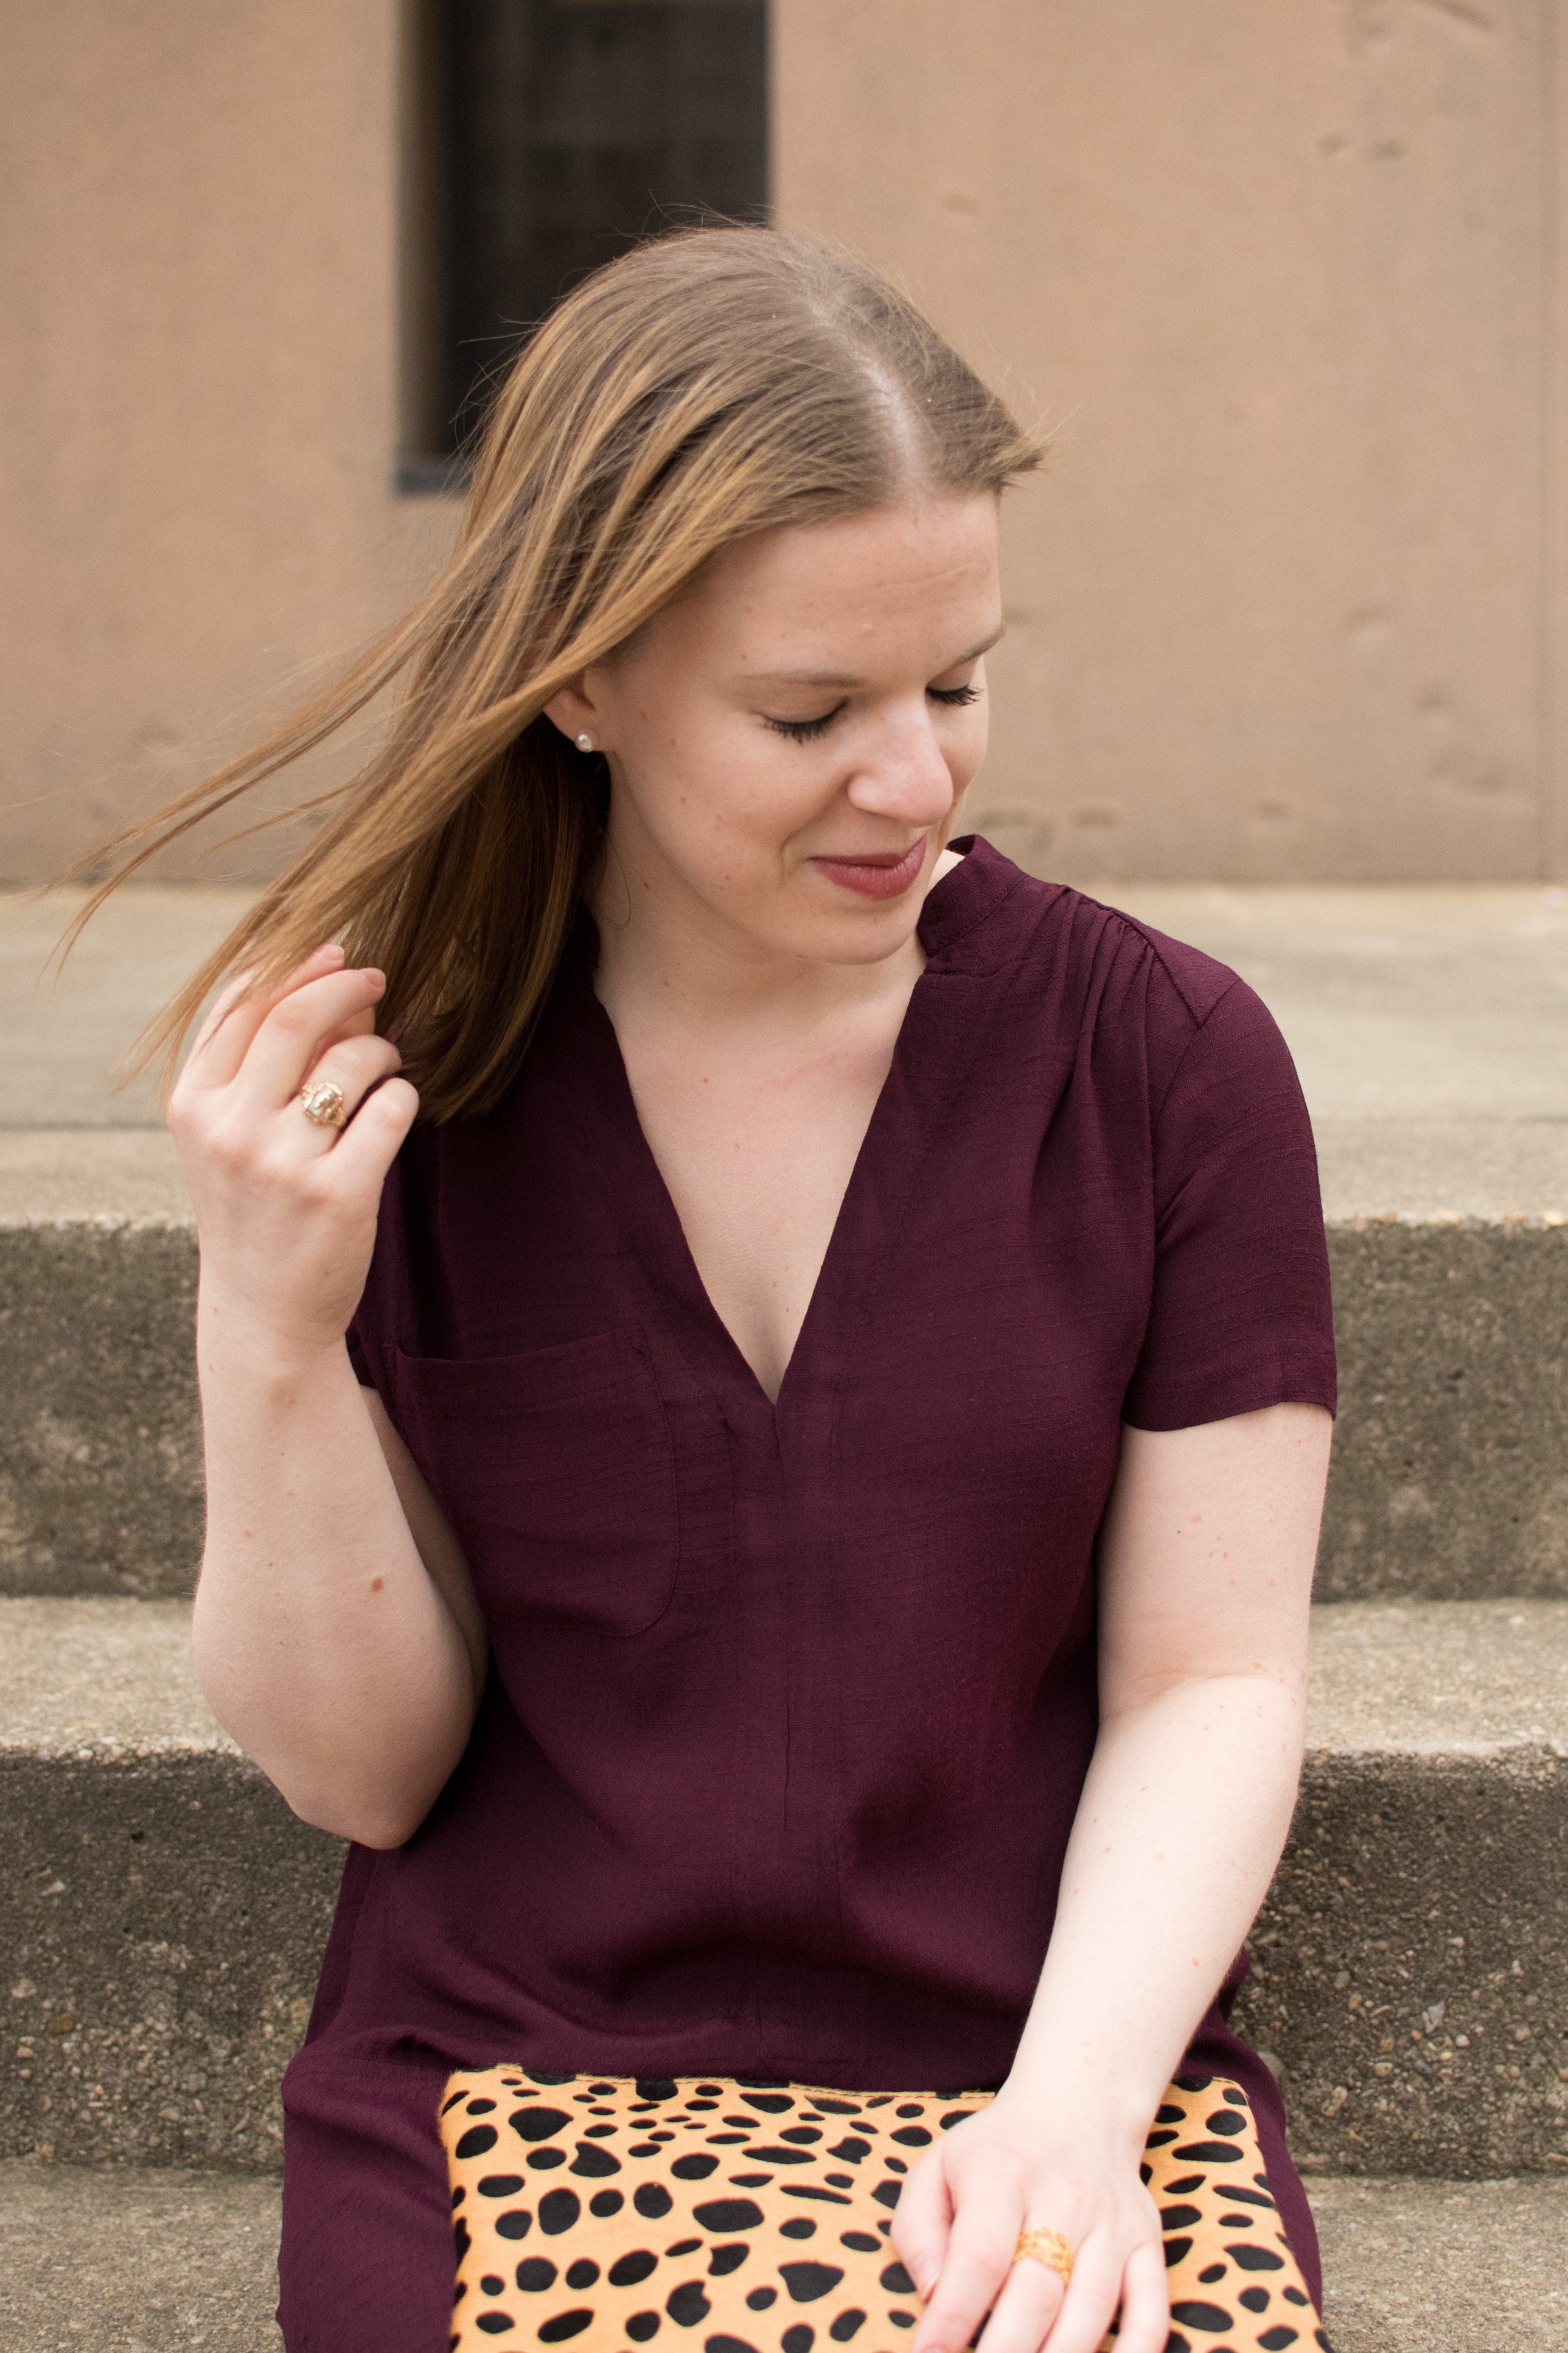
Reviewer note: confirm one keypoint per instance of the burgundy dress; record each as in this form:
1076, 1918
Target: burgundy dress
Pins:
791, 1706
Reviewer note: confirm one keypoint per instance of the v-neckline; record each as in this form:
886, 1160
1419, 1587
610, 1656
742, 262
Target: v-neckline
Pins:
665, 1231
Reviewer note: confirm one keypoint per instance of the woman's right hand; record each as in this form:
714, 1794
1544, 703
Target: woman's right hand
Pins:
285, 1211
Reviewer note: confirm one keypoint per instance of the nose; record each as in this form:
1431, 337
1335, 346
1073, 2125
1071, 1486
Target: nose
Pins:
903, 773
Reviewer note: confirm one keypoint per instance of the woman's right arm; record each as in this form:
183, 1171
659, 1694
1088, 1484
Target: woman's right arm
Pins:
336, 1632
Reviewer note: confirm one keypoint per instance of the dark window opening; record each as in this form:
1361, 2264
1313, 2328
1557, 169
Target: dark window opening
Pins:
543, 137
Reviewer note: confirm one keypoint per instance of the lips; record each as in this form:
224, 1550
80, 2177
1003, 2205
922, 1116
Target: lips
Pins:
884, 875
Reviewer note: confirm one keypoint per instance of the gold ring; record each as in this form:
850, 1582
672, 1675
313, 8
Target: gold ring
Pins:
1048, 2247
323, 1103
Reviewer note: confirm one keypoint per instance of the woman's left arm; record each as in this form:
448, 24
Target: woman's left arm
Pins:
1205, 1572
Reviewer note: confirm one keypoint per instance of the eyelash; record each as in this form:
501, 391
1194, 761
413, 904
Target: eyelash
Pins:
807, 730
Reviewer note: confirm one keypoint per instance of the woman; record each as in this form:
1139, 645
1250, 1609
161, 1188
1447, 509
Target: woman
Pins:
798, 1575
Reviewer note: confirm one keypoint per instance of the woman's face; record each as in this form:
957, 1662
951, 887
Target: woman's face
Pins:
790, 743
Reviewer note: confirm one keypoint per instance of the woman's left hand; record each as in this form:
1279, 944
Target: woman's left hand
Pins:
1013, 2167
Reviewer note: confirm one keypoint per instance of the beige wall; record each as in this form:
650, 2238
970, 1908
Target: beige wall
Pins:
198, 409
1277, 270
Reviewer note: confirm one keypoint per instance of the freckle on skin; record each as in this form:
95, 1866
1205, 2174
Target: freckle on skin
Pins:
376, 1583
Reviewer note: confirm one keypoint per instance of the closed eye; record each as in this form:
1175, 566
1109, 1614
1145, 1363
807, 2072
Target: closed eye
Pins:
807, 730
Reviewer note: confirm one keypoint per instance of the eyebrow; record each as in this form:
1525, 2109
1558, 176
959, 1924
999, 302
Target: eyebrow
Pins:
837, 678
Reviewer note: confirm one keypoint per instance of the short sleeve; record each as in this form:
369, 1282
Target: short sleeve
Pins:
1241, 1315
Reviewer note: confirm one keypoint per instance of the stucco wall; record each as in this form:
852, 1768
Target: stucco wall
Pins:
1277, 271
198, 414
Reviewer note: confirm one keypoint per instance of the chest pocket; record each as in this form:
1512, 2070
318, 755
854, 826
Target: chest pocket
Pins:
557, 1472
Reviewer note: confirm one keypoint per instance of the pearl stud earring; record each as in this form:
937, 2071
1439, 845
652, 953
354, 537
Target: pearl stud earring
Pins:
584, 743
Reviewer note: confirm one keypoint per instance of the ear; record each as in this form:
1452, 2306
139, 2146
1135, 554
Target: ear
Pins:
576, 712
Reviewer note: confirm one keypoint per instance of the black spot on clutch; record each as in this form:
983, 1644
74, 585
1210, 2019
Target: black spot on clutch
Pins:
844, 2327
780, 2156
684, 2247
1235, 2095
1206, 2316
850, 2150
749, 2180
457, 2197
559, 2211
1235, 2196
656, 2088
903, 2319
761, 2297
687, 2304
1191, 2181
910, 2108
1235, 2221
839, 2108
535, 2276
607, 2202
861, 2241
1213, 2272
886, 2193
493, 2285
771, 2104
798, 2339
803, 2227
1194, 2082
550, 2075
460, 2238
477, 2139
721, 2344
545, 2161
480, 2108
594, 2162
1166, 2115
897, 2281
500, 2185
652, 2201
563, 2325
694, 2169
1176, 2249
807, 2282
495, 2324
1205, 2152
642, 2326
1158, 2139
954, 2117
1256, 2259
809, 2189
913, 2137
727, 2214
1225, 2121
538, 2124
583, 2273
803, 2134
725, 2260
515, 2225
1255, 2299
1276, 2339
627, 2270
452, 2102
1179, 2218
1291, 2295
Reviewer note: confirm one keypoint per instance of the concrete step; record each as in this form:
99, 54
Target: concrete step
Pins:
1427, 1023
132, 2261
161, 1913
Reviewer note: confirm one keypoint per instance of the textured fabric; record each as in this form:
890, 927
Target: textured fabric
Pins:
592, 2212
790, 1707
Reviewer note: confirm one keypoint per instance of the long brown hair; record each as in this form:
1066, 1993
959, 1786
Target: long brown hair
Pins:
705, 386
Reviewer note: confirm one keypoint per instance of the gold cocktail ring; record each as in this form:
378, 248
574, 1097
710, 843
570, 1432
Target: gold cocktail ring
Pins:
323, 1103
1048, 2247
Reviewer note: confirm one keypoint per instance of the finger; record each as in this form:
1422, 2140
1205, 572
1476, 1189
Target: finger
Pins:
1145, 2302
353, 1065
367, 1148
289, 1039
226, 1034
1025, 2309
923, 2223
978, 2254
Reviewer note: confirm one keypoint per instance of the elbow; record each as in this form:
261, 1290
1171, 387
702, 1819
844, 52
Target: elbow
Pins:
367, 1820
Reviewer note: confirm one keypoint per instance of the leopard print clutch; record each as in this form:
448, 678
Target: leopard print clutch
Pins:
601, 2212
